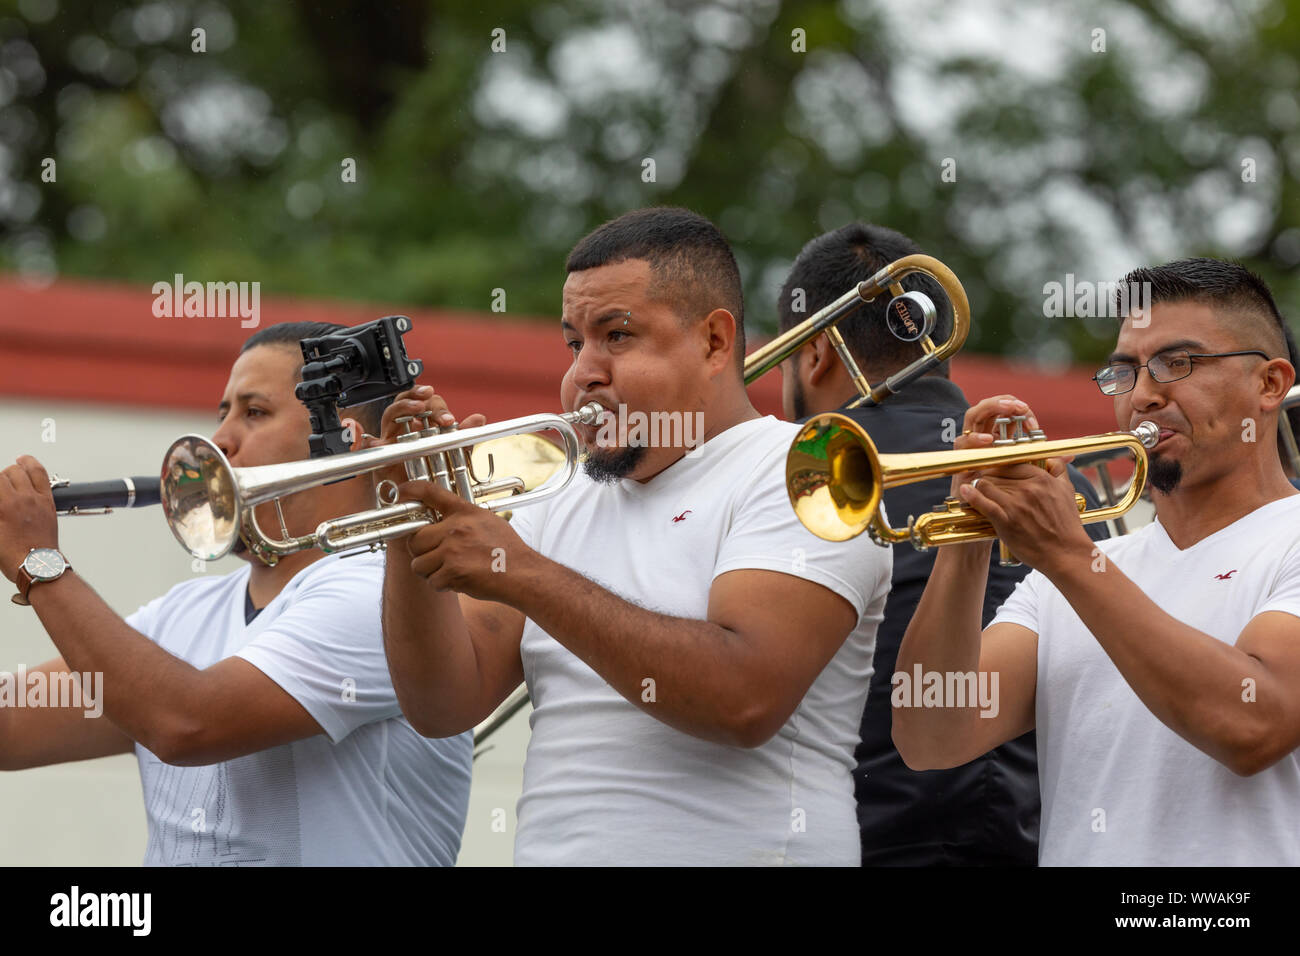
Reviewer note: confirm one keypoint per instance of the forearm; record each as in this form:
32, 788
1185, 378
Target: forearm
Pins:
64, 730
944, 636
696, 676
1193, 683
152, 696
431, 655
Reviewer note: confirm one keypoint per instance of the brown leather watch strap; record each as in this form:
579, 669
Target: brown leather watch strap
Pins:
24, 581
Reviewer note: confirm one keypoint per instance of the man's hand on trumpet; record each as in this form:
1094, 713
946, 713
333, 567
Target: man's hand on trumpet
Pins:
1033, 509
467, 549
470, 550
414, 402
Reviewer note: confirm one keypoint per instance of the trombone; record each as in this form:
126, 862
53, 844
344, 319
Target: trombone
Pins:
836, 478
911, 317
209, 504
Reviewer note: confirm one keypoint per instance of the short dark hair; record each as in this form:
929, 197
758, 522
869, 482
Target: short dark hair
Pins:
834, 263
291, 334
1240, 298
691, 262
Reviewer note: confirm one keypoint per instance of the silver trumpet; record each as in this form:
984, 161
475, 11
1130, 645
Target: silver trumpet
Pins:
210, 504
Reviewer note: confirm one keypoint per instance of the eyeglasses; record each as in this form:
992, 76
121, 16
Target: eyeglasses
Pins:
1168, 366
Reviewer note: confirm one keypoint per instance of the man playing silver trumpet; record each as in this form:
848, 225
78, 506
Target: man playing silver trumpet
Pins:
1160, 669
697, 660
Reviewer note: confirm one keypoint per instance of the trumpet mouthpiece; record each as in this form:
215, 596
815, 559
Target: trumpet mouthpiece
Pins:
1148, 433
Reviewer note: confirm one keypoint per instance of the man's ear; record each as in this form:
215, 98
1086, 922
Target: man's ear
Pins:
1279, 377
720, 338
821, 360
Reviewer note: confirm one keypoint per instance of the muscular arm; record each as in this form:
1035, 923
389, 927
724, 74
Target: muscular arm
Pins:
1194, 683
184, 715
452, 659
39, 736
734, 678
945, 636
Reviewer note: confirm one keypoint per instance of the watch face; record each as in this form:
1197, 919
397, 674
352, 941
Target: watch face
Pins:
44, 564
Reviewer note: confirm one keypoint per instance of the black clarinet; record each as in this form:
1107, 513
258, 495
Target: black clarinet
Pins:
101, 497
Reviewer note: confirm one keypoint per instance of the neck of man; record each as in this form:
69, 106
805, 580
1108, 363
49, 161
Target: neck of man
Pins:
331, 501
1194, 511
840, 390
266, 581
724, 411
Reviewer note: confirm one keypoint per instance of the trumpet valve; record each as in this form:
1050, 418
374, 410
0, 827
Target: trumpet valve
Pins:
1003, 424
1015, 430
415, 467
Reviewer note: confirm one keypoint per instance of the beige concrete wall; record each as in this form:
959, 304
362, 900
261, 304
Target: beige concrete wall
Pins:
91, 813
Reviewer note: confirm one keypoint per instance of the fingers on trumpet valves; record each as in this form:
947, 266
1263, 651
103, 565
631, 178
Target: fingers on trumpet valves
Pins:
413, 410
991, 416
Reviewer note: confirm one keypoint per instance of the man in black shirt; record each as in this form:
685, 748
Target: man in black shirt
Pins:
985, 812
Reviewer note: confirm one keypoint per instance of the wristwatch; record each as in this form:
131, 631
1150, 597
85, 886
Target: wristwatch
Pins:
40, 565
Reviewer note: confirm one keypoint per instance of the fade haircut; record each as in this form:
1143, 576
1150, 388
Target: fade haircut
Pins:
692, 268
1240, 299
834, 263
290, 334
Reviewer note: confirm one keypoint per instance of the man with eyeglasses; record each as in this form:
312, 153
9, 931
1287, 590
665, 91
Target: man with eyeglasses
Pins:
1161, 669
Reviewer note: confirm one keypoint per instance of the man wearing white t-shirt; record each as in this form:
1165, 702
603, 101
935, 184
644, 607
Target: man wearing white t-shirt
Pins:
258, 703
1161, 669
697, 661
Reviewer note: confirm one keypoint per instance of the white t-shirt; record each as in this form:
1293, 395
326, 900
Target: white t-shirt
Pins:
370, 791
1105, 761
607, 784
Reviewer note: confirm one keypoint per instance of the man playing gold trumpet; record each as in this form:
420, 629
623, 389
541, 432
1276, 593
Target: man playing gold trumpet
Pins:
697, 660
258, 703
986, 812
1161, 669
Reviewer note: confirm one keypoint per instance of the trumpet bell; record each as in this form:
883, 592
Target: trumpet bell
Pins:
200, 498
210, 505
833, 477
530, 457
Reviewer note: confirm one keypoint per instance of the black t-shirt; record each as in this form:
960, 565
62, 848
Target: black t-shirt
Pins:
985, 812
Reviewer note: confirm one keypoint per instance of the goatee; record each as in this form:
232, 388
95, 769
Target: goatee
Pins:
1164, 474
608, 465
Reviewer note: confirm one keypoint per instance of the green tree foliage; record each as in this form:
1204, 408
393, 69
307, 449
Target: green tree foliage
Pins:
486, 141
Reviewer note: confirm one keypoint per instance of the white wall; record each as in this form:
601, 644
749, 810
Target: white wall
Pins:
91, 813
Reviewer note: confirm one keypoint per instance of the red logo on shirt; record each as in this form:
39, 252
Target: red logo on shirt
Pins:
681, 517
1226, 575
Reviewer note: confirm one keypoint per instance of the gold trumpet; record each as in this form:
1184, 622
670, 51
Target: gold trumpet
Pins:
209, 504
911, 317
836, 479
